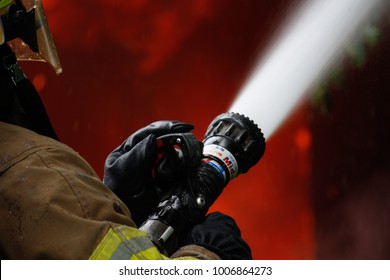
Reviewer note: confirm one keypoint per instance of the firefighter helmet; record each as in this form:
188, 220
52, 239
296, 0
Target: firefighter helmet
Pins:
24, 27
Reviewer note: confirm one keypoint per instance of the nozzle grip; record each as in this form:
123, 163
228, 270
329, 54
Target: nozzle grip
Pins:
188, 148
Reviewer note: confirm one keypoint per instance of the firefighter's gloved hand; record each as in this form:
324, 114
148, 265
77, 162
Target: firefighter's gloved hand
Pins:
128, 169
220, 234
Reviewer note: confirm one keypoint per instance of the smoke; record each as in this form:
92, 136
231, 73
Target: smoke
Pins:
309, 43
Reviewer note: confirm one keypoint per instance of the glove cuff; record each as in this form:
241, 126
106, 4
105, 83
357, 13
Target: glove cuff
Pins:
195, 251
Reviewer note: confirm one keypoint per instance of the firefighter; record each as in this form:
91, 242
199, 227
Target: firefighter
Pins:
52, 203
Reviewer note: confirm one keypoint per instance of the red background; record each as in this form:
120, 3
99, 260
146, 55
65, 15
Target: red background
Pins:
129, 63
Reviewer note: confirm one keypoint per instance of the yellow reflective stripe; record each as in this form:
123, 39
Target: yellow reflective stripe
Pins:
5, 3
126, 243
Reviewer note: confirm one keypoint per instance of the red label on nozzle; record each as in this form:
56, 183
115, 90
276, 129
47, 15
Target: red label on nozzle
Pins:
224, 156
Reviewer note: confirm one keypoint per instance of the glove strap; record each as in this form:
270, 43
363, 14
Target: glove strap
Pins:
27, 95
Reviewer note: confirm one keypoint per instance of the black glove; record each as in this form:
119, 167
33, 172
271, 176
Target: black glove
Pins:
129, 169
220, 234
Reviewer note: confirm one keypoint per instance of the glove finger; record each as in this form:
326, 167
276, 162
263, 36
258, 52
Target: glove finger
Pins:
158, 128
125, 169
217, 218
219, 233
164, 127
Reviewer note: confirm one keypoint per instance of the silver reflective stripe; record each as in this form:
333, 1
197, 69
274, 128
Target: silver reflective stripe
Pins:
134, 246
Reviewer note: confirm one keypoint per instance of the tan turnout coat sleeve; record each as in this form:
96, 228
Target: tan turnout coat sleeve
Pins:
52, 204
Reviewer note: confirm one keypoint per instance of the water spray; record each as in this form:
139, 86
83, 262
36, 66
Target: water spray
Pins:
310, 43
